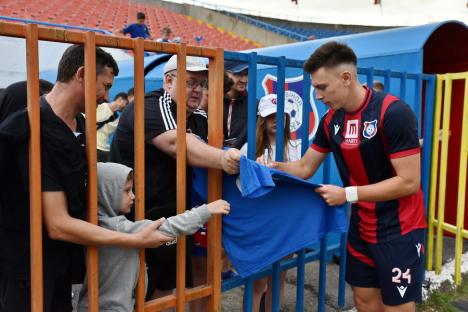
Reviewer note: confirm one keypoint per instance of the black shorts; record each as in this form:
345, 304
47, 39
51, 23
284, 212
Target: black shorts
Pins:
396, 267
162, 261
15, 295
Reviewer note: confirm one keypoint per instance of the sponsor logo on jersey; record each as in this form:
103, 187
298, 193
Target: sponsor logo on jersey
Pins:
352, 131
420, 249
337, 128
370, 129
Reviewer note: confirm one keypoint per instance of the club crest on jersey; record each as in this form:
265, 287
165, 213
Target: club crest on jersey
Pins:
370, 129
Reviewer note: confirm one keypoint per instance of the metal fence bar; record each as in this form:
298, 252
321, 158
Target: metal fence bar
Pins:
248, 293
418, 101
429, 109
403, 86
300, 281
90, 110
462, 187
35, 196
252, 107
215, 178
341, 277
139, 152
322, 275
434, 167
443, 169
387, 80
370, 77
181, 172
305, 113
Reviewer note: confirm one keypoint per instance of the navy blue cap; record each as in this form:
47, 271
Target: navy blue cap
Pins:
235, 66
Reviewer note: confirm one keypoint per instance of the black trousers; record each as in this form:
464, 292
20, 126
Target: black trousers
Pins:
15, 295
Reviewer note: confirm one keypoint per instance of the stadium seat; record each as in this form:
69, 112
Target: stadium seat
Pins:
115, 14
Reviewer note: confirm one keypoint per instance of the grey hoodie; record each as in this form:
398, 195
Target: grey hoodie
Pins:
118, 266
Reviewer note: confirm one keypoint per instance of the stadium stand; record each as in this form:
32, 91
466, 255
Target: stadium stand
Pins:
294, 32
319, 33
113, 15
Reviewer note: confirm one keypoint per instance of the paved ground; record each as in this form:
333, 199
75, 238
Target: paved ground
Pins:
232, 300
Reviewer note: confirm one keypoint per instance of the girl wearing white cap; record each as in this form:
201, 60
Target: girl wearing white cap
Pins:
266, 147
266, 132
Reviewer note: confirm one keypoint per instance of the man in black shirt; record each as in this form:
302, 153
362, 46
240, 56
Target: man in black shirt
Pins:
235, 105
160, 153
63, 168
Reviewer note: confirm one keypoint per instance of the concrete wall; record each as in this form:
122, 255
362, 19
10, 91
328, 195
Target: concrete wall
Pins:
229, 24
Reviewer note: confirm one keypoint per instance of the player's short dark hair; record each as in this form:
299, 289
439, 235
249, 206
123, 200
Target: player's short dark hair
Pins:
73, 58
330, 55
141, 15
122, 95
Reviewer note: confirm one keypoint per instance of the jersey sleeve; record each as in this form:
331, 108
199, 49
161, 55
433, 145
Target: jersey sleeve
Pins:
321, 143
400, 129
158, 116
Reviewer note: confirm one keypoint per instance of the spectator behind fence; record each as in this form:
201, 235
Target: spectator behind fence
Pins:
266, 148
374, 140
226, 87
130, 95
138, 29
378, 86
119, 267
15, 97
107, 123
160, 162
235, 105
63, 169
166, 33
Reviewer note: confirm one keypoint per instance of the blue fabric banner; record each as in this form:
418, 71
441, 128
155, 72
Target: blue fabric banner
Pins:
275, 215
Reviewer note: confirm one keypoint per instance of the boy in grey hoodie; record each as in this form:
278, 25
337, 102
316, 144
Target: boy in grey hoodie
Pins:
119, 267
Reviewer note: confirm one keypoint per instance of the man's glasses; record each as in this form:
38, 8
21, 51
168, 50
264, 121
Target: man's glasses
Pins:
194, 83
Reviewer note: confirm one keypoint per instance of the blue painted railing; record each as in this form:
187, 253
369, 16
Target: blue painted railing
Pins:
270, 27
421, 82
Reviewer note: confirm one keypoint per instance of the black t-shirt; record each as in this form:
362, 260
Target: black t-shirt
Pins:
235, 121
160, 168
63, 169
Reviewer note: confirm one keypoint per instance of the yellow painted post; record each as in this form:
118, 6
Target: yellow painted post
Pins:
434, 165
443, 170
462, 186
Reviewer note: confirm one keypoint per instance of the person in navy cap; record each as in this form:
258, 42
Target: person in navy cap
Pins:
235, 105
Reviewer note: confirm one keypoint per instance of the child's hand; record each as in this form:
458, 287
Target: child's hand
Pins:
219, 207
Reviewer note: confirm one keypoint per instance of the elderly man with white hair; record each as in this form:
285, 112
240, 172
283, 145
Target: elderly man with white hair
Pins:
160, 158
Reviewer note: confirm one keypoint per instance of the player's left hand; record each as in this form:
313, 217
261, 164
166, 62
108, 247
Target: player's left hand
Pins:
333, 195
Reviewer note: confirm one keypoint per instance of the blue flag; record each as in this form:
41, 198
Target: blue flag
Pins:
273, 214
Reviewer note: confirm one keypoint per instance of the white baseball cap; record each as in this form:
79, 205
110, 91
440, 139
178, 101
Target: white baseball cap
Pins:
193, 64
267, 105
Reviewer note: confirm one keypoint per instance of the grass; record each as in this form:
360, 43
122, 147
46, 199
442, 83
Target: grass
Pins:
441, 299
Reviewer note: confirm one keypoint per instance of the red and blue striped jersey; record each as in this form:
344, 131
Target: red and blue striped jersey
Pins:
363, 142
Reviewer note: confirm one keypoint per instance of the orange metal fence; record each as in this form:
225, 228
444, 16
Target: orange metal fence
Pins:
32, 34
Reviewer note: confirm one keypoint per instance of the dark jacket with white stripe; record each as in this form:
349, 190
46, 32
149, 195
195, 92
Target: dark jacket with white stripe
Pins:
160, 168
